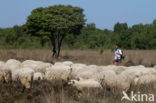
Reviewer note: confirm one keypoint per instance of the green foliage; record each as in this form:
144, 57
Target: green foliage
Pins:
51, 25
55, 22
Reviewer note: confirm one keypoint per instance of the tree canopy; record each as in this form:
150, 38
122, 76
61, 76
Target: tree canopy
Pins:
55, 22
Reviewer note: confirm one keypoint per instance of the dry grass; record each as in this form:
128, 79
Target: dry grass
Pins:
133, 57
59, 91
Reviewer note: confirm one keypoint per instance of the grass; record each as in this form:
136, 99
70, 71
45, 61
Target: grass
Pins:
59, 91
133, 57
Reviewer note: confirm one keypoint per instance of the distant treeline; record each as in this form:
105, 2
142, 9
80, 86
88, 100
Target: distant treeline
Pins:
136, 37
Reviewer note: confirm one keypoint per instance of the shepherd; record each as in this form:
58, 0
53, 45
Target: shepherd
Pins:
117, 56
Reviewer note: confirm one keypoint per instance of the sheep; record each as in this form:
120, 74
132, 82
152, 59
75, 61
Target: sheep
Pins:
12, 64
68, 63
104, 74
58, 72
37, 66
86, 73
77, 68
88, 83
119, 69
111, 66
24, 75
123, 81
42, 67
145, 79
31, 63
102, 68
106, 78
58, 63
136, 72
152, 70
38, 76
2, 63
128, 77
5, 75
92, 66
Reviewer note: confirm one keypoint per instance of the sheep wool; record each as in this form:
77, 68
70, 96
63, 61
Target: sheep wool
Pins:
88, 83
38, 76
58, 72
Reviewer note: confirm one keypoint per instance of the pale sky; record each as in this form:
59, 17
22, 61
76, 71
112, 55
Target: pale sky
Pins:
104, 13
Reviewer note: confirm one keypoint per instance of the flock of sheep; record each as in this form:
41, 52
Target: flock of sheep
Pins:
76, 74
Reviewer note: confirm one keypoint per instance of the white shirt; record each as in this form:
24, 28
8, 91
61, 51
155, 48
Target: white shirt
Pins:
116, 55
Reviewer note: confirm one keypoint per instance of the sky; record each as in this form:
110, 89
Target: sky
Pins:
104, 13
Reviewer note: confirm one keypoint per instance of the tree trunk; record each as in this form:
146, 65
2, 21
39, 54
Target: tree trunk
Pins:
54, 46
42, 43
59, 46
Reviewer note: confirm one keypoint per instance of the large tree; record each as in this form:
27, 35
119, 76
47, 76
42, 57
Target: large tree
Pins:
55, 22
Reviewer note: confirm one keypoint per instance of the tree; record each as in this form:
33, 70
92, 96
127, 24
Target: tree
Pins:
119, 27
55, 22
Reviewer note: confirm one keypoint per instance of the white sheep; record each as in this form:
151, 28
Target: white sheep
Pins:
58, 72
106, 78
12, 64
38, 76
86, 73
88, 83
2, 63
58, 63
31, 63
68, 63
77, 68
25, 75
42, 67
145, 79
152, 70
119, 69
128, 77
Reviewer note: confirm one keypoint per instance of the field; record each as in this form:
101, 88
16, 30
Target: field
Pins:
133, 57
58, 91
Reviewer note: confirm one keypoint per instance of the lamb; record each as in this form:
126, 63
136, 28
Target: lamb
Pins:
88, 83
58, 72
38, 76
